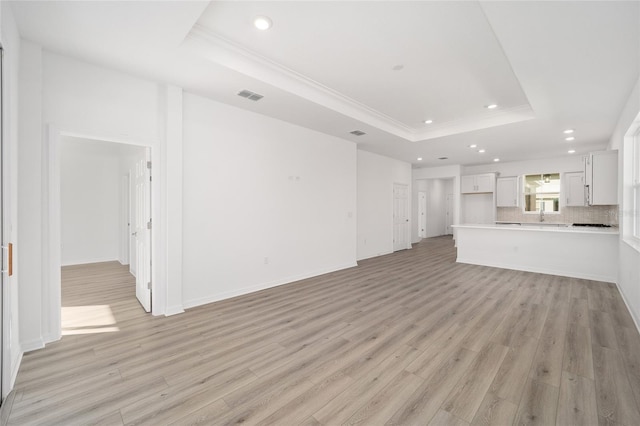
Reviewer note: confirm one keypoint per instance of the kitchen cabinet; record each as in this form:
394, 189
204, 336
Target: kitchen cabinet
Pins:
574, 189
601, 178
477, 183
507, 192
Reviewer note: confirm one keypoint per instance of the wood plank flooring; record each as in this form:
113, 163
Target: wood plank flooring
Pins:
408, 338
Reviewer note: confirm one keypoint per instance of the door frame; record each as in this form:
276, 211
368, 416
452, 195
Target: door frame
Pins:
51, 233
4, 242
422, 222
448, 220
393, 211
125, 249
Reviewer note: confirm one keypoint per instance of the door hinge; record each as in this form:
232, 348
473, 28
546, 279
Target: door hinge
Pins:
148, 164
149, 224
149, 285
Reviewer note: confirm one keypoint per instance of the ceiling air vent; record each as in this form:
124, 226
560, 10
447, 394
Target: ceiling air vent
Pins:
358, 133
443, 158
253, 96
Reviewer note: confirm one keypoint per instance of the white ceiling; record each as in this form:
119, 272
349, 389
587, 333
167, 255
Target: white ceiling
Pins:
328, 66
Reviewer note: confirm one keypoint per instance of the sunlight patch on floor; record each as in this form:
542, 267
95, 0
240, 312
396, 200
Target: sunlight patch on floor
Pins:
88, 319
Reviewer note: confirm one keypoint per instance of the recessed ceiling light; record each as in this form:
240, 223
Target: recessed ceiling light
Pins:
568, 131
491, 106
428, 121
262, 23
569, 139
496, 159
473, 146
571, 151
419, 158
481, 151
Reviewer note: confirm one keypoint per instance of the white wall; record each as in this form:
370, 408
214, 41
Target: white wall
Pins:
90, 201
420, 177
30, 196
265, 202
11, 285
376, 176
88, 100
628, 271
64, 96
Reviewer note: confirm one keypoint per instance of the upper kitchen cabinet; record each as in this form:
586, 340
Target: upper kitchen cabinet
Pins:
574, 189
477, 183
601, 178
507, 192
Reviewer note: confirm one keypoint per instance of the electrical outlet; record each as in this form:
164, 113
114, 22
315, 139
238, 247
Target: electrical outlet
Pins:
266, 260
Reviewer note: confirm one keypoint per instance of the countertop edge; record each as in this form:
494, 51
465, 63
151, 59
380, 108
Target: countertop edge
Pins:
542, 228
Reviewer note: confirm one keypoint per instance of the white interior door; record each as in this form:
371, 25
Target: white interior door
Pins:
132, 221
142, 231
449, 215
400, 217
422, 214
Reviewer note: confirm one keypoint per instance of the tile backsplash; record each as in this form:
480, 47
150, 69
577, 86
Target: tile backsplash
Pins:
607, 215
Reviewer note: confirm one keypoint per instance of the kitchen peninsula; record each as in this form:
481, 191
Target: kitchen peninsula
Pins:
558, 249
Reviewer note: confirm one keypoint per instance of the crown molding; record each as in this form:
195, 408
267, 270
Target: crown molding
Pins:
227, 53
213, 47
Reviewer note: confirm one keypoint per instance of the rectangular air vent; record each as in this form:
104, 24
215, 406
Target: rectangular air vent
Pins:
253, 96
358, 133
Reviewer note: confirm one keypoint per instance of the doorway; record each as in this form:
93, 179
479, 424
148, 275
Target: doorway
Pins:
94, 202
439, 207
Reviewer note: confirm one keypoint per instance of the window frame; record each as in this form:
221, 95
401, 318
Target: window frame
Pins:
630, 206
635, 187
525, 194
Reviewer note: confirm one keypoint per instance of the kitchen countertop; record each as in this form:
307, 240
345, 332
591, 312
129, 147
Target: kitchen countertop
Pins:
544, 227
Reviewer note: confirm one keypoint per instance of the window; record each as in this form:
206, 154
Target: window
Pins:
542, 193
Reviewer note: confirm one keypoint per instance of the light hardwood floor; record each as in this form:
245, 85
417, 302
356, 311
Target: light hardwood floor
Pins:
408, 338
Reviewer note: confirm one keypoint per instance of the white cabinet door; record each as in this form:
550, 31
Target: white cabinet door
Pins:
467, 184
574, 189
477, 183
604, 180
507, 194
485, 183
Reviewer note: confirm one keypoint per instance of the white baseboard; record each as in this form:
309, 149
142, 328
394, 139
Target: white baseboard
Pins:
53, 337
32, 345
246, 290
173, 310
374, 255
636, 320
573, 274
14, 371
87, 261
